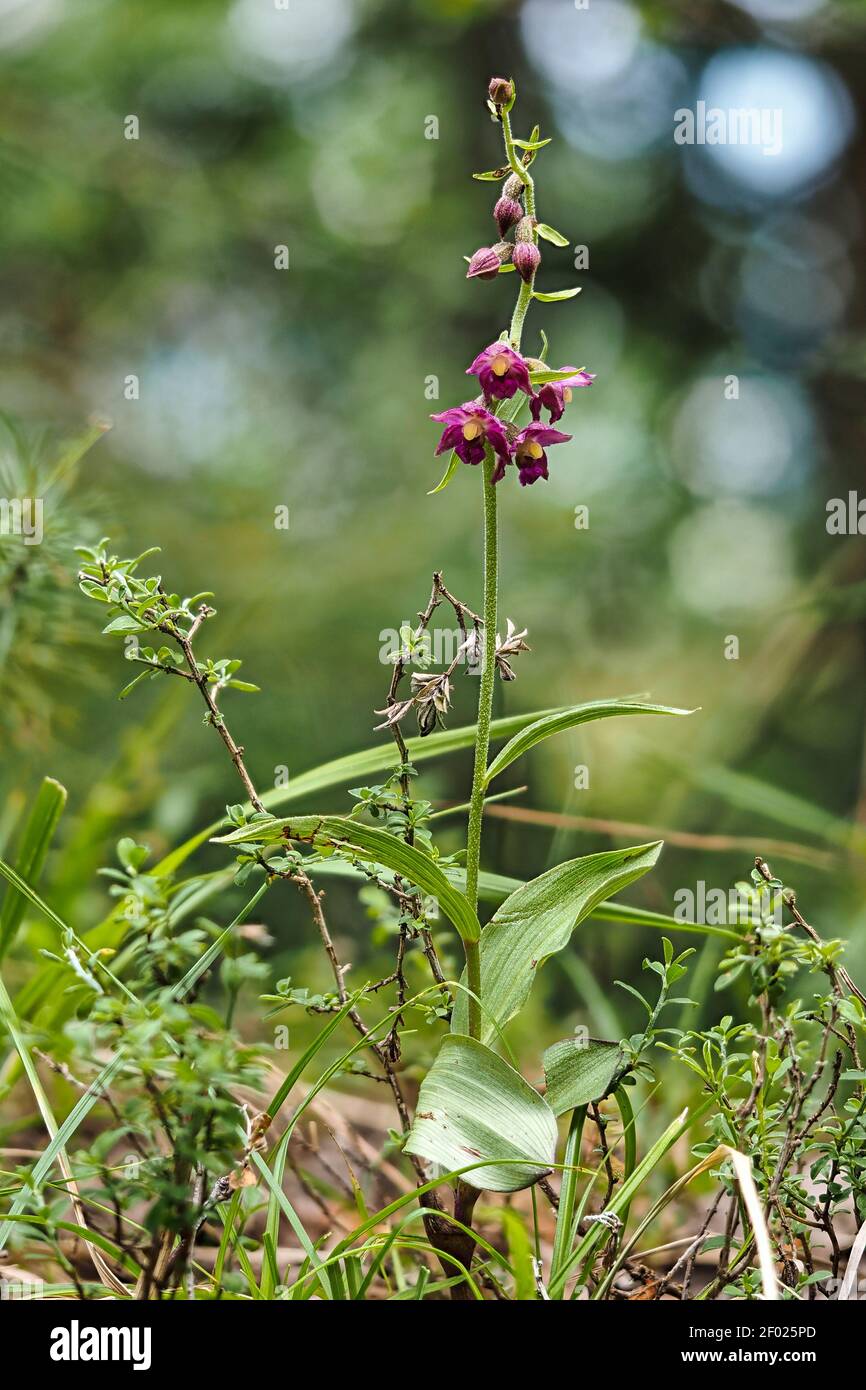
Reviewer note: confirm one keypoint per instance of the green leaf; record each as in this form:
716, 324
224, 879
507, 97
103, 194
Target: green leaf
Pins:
23, 887
446, 476
136, 680
495, 888
354, 768
536, 921
98, 1087
533, 144
492, 175
540, 377
554, 295
472, 1105
559, 720
125, 623
131, 854
625, 1193
520, 1250
36, 837
578, 1071
373, 846
551, 234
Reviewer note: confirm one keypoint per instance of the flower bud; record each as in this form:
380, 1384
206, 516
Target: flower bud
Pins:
526, 259
500, 91
513, 187
507, 211
485, 263
525, 229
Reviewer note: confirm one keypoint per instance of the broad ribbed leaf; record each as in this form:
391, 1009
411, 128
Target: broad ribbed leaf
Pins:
578, 1071
495, 888
373, 846
536, 921
36, 837
472, 1105
558, 720
351, 770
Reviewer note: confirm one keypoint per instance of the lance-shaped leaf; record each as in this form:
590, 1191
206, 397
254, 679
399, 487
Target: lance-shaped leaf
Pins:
495, 888
555, 295
36, 837
373, 846
558, 720
578, 1071
472, 1105
353, 768
536, 921
551, 234
450, 470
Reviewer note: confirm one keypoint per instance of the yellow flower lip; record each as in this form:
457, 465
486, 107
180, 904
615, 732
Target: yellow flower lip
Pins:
472, 429
499, 366
532, 449
567, 394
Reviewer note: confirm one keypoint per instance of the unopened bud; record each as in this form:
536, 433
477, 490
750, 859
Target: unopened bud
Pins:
484, 265
525, 229
513, 187
507, 211
526, 259
500, 91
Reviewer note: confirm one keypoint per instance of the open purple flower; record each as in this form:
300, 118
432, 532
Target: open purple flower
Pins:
529, 450
501, 372
556, 395
469, 428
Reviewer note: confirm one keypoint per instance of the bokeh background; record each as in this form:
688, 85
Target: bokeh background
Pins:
307, 127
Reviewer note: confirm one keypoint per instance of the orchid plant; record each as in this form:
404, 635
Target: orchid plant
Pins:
131, 986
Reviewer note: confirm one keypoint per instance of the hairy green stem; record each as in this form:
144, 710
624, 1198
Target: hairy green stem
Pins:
482, 735
518, 167
524, 299
491, 586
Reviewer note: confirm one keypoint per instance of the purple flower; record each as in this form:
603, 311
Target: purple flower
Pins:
527, 258
484, 264
529, 446
556, 395
507, 211
469, 428
501, 372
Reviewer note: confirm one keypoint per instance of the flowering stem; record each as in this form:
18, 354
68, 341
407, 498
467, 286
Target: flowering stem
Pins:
482, 735
524, 299
488, 670
518, 167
